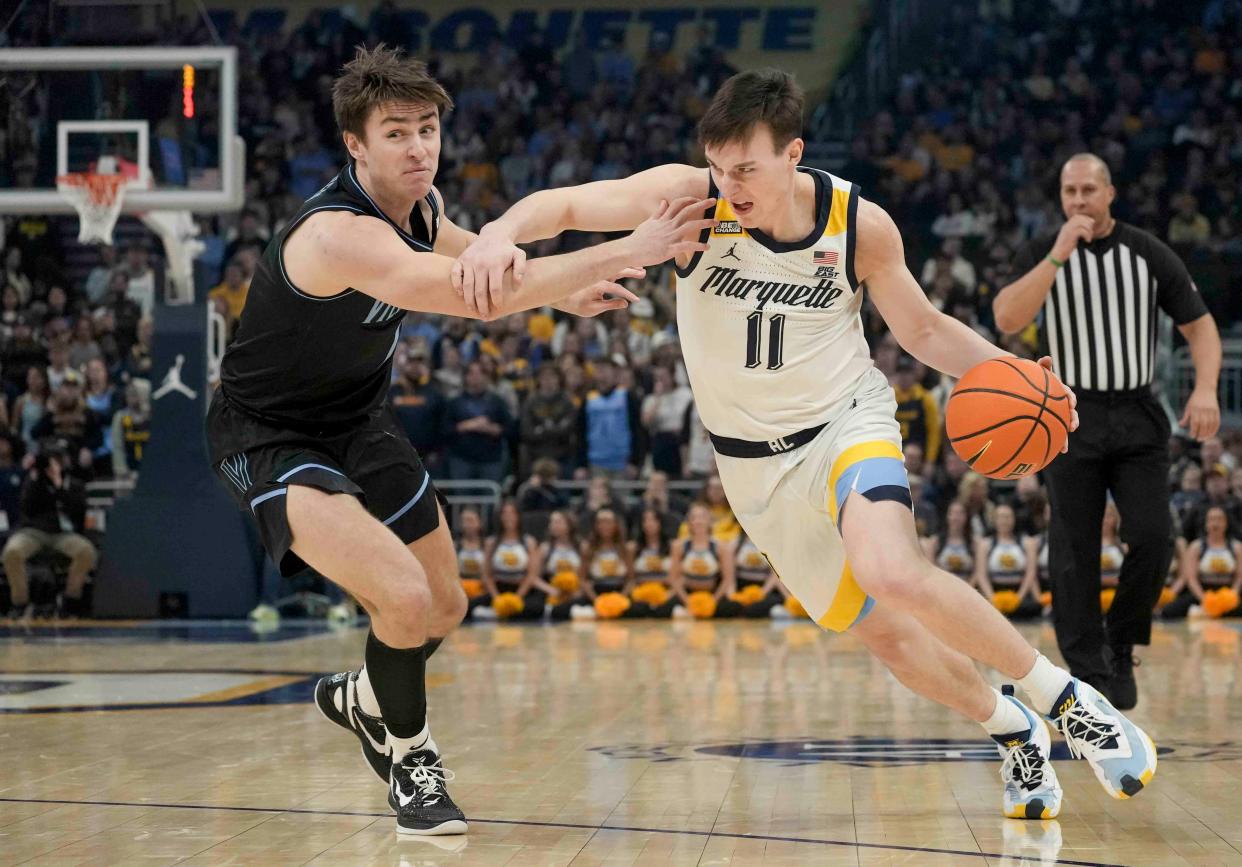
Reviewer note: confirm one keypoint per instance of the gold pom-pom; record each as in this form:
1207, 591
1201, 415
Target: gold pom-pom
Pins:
1045, 598
794, 607
610, 606
1218, 603
1166, 596
1106, 598
508, 605
1006, 601
653, 593
702, 605
473, 587
566, 582
748, 595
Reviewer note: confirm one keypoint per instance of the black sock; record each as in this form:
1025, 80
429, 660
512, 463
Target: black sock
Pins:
397, 678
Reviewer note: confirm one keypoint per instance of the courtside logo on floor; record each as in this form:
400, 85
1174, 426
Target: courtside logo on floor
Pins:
882, 752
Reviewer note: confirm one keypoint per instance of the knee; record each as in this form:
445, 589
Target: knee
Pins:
404, 610
449, 610
16, 551
890, 577
83, 553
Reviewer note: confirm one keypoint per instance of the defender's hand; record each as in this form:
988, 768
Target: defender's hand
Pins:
602, 296
478, 274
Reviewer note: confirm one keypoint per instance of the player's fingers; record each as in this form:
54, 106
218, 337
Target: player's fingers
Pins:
660, 211
467, 290
632, 274
519, 266
620, 291
689, 207
455, 276
688, 247
699, 225
496, 288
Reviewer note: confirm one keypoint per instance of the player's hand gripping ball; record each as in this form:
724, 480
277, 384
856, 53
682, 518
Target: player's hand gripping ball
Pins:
1008, 417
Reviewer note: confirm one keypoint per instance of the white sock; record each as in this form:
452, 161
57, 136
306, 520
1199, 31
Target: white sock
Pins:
367, 701
1044, 683
402, 746
1006, 719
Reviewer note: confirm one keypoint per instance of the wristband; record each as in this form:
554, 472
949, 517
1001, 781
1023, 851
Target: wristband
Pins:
1056, 261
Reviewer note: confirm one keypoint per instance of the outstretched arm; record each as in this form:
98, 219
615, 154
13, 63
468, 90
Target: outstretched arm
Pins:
337, 250
602, 206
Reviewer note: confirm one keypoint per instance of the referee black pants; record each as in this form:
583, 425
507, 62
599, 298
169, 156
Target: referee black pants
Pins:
1121, 446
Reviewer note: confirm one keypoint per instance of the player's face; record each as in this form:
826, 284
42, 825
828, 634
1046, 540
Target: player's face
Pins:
754, 176
1084, 190
402, 147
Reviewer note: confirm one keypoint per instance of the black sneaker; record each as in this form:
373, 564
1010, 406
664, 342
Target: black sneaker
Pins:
19, 612
418, 796
1123, 689
336, 696
68, 608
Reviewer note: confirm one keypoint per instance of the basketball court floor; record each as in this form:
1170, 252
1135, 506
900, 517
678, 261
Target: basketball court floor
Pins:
608, 743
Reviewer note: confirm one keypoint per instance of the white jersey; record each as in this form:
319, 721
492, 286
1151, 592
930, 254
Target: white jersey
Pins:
770, 331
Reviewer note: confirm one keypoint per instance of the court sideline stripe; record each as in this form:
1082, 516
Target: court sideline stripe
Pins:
575, 825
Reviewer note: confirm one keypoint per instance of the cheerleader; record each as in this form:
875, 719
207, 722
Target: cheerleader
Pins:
650, 555
752, 569
470, 558
699, 563
953, 550
606, 565
1003, 563
1212, 562
560, 560
510, 562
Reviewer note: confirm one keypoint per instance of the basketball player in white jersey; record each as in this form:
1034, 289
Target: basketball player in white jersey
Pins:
803, 423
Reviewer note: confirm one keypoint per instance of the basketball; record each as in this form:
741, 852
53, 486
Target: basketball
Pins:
1008, 418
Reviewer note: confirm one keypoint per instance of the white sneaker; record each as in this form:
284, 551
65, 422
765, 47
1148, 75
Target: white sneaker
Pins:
582, 612
780, 612
681, 612
1121, 754
264, 613
485, 612
1031, 787
341, 614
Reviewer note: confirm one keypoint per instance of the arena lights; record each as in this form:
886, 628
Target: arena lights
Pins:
187, 91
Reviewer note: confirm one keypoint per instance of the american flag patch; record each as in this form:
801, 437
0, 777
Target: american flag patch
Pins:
828, 257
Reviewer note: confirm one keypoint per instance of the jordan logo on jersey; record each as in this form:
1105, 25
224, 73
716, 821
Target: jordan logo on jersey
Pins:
726, 283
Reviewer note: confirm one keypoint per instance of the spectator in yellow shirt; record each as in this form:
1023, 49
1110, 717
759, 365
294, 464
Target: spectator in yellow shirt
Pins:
917, 412
232, 290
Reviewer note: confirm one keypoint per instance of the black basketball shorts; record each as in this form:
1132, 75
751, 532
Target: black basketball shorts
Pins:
374, 461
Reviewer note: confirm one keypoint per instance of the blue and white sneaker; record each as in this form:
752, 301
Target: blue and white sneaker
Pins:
1031, 787
1121, 754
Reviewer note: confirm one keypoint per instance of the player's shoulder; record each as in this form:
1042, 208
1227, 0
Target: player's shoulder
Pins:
877, 238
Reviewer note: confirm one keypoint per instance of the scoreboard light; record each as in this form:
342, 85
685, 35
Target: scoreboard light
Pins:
187, 91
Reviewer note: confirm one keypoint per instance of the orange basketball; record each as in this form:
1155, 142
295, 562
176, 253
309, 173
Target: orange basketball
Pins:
1008, 418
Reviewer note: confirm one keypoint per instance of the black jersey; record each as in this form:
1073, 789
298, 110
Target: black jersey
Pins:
301, 361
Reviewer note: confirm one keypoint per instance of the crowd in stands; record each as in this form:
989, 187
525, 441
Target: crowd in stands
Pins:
966, 157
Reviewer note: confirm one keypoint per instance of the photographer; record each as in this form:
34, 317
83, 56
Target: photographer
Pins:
53, 515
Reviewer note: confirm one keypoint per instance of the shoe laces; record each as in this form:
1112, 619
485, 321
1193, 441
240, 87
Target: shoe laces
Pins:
428, 779
1024, 765
1083, 727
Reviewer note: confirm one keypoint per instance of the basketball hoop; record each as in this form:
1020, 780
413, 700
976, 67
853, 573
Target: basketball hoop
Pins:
97, 198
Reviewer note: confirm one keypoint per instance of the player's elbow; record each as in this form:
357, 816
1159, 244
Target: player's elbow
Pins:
1003, 314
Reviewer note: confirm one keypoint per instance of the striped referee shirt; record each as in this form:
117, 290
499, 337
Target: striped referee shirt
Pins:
1099, 320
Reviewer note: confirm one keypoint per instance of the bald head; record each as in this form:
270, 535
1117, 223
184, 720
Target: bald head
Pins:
1089, 161
1087, 190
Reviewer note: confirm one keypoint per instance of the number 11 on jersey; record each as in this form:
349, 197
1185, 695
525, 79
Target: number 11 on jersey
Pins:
754, 340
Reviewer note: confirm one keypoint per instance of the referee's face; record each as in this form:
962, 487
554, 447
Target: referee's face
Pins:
1085, 190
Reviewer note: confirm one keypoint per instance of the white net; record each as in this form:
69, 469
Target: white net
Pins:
97, 199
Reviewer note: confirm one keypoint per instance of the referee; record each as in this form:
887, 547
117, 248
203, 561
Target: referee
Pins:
1096, 288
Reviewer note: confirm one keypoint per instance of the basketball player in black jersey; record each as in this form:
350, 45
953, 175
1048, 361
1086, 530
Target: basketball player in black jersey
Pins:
300, 431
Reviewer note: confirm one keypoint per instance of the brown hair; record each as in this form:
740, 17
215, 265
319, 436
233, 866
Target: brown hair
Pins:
767, 96
379, 76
